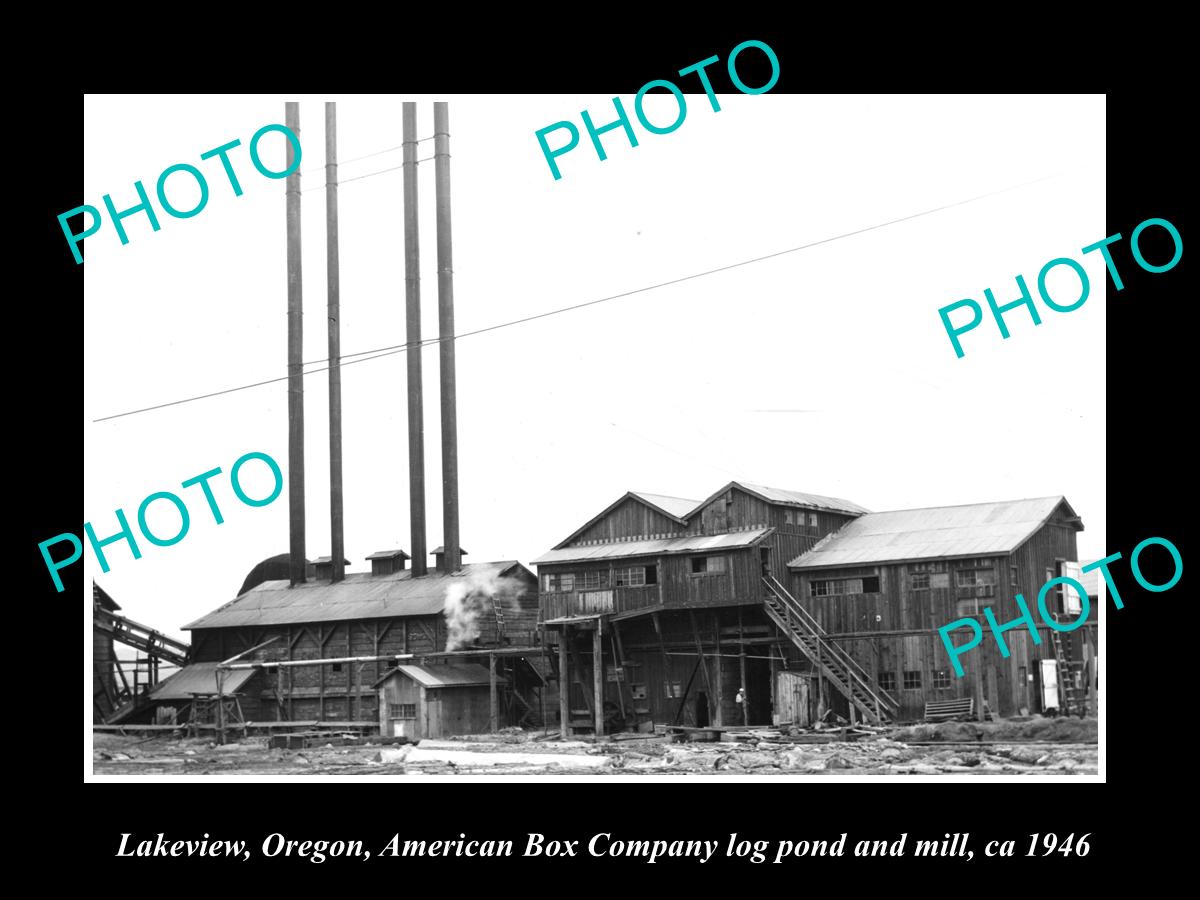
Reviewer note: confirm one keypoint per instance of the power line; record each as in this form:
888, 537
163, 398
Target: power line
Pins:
379, 352
341, 181
346, 162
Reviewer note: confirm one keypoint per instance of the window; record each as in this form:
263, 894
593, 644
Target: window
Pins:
708, 565
930, 576
887, 681
673, 689
635, 576
402, 710
912, 680
812, 520
595, 579
1012, 576
978, 582
868, 584
337, 667
558, 582
789, 518
976, 578
941, 679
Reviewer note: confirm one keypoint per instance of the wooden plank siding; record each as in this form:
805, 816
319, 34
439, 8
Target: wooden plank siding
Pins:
344, 690
630, 518
894, 630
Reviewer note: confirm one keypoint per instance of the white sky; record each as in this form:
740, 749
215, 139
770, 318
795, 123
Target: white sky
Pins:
663, 391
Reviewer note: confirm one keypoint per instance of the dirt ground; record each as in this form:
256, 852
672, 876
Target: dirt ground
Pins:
1036, 747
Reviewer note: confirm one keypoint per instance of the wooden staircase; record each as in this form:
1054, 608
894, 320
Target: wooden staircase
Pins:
1072, 697
876, 705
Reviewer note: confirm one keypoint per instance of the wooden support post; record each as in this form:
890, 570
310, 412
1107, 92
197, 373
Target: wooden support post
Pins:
719, 719
822, 707
220, 722
979, 694
666, 660
742, 670
703, 664
320, 674
493, 696
598, 677
623, 684
620, 672
564, 687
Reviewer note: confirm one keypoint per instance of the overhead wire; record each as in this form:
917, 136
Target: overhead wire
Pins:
380, 352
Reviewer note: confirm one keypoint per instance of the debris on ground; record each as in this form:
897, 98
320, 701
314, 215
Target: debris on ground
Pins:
1034, 747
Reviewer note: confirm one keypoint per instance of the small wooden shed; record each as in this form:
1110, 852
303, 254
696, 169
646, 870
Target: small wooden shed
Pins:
435, 701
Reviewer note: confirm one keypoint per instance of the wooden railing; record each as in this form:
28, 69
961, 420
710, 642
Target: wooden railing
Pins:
603, 601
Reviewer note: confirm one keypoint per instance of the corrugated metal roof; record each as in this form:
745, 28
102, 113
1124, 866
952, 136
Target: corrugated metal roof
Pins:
790, 498
977, 529
672, 506
451, 675
360, 596
199, 678
798, 498
693, 543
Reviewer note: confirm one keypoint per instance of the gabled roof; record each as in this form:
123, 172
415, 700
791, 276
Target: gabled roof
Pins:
449, 675
692, 543
976, 529
388, 554
359, 596
781, 497
674, 508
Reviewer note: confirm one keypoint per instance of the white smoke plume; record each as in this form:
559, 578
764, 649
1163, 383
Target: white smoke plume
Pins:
469, 605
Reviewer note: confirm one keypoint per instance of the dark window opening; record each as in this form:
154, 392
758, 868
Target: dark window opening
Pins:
870, 584
708, 565
337, 667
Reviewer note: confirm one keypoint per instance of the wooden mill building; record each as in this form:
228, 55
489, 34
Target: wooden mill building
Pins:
384, 612
760, 605
657, 605
884, 584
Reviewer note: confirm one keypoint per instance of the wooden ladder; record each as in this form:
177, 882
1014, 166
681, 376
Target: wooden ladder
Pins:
875, 704
1072, 696
499, 610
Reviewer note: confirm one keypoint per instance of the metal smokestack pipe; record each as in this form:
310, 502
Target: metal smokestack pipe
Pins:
412, 314
297, 561
335, 346
441, 151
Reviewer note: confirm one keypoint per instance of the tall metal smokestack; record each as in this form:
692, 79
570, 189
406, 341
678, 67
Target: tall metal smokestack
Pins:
412, 310
441, 151
297, 562
335, 345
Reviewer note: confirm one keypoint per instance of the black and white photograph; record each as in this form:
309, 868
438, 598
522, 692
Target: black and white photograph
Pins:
706, 432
